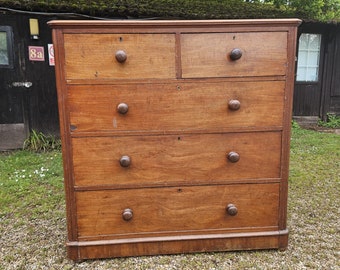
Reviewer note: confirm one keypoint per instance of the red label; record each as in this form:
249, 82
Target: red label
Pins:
36, 53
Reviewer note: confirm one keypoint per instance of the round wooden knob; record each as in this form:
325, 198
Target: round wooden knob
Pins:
125, 161
121, 56
235, 54
233, 157
122, 108
232, 210
127, 214
234, 104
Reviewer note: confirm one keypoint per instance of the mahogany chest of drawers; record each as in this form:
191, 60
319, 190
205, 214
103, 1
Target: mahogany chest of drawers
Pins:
175, 134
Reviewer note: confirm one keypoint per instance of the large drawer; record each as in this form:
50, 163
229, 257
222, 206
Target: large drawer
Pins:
176, 159
209, 55
177, 210
90, 56
176, 106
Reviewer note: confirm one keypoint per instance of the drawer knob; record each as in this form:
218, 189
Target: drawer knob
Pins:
125, 161
234, 104
232, 210
127, 214
233, 157
235, 54
122, 108
121, 56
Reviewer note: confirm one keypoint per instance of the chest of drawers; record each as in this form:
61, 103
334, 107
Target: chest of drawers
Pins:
175, 134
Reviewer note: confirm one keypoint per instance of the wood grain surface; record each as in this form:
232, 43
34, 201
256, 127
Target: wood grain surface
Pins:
207, 55
176, 106
177, 210
167, 160
89, 56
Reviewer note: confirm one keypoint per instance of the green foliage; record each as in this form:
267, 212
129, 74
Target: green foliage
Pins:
295, 124
333, 121
312, 8
330, 10
181, 9
321, 10
39, 142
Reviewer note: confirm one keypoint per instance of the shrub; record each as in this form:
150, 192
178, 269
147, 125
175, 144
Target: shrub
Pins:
39, 142
333, 121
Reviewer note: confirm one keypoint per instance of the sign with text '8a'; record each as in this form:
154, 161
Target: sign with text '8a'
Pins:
36, 53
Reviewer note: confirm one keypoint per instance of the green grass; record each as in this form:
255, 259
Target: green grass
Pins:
31, 184
33, 226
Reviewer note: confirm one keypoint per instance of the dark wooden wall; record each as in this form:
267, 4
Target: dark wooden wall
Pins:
38, 103
322, 97
334, 103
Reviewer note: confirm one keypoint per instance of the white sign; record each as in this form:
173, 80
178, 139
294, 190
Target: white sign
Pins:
51, 54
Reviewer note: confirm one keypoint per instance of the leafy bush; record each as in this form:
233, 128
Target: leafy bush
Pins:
39, 142
295, 124
333, 121
181, 9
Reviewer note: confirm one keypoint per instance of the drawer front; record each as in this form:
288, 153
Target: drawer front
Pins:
209, 55
94, 56
182, 106
132, 213
175, 159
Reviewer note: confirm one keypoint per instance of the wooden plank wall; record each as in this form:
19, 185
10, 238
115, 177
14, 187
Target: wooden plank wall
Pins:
36, 105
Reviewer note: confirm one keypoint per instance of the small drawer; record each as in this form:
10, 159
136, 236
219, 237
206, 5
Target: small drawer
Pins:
210, 107
177, 210
119, 56
126, 161
234, 54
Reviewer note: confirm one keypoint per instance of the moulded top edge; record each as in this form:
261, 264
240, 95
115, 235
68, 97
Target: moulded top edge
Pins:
171, 23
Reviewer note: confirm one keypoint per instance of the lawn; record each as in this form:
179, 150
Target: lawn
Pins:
33, 225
